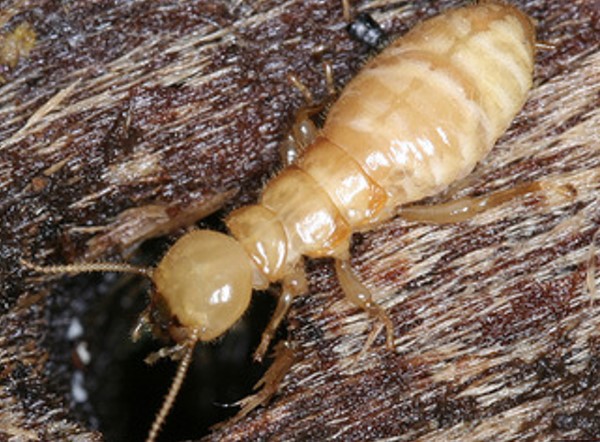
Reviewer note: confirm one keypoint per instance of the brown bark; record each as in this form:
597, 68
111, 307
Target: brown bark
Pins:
127, 121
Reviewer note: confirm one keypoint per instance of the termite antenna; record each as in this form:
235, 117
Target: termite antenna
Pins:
74, 269
184, 364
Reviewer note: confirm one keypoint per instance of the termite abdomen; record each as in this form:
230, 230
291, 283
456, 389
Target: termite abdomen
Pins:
422, 113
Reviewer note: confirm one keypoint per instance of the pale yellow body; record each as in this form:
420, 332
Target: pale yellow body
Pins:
416, 118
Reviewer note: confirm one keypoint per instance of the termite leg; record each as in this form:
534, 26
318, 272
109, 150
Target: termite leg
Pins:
308, 96
304, 130
268, 385
361, 296
303, 133
465, 208
292, 285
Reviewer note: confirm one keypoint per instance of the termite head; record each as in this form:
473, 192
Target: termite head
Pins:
202, 286
203, 283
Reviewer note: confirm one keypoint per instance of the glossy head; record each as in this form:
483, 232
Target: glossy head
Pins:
205, 280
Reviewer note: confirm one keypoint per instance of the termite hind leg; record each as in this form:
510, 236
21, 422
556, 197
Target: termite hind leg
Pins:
361, 296
292, 285
462, 209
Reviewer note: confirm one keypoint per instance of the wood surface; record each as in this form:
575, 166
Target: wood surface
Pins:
126, 121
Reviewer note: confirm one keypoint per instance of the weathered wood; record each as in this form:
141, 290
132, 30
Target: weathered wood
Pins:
130, 120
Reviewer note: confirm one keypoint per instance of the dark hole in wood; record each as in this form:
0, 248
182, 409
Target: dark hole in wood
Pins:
123, 392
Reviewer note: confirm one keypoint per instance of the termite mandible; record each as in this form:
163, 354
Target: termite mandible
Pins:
417, 117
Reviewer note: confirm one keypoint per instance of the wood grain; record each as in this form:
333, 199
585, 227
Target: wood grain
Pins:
127, 121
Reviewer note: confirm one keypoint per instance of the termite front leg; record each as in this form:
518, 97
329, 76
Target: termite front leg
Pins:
293, 285
361, 296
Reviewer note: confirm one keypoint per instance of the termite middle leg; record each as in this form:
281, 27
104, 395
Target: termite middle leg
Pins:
361, 296
302, 134
293, 285
269, 384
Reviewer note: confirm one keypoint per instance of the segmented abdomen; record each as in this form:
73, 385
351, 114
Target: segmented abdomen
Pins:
417, 117
429, 107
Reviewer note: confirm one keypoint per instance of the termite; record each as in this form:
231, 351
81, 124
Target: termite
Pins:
417, 117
